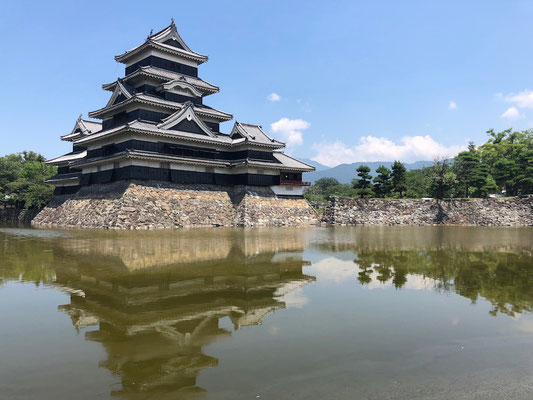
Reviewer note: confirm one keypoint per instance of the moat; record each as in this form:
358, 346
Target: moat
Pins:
269, 313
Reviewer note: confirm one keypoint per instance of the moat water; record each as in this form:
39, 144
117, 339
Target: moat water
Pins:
325, 313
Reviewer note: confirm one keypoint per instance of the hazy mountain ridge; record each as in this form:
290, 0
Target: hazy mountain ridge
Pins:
317, 165
345, 173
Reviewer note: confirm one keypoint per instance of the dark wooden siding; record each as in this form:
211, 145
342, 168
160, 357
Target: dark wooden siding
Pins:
159, 62
123, 117
213, 125
66, 190
177, 176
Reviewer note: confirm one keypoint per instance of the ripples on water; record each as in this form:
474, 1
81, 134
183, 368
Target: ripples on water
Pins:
370, 313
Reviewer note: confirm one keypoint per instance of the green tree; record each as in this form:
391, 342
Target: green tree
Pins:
417, 183
22, 179
467, 169
509, 156
524, 178
325, 183
382, 182
363, 184
326, 187
399, 183
442, 178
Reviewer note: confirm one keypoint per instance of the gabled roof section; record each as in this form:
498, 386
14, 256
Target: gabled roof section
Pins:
167, 40
151, 129
186, 114
165, 76
120, 90
142, 98
182, 84
170, 36
82, 128
253, 134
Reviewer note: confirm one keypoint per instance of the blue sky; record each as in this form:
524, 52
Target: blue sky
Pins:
340, 81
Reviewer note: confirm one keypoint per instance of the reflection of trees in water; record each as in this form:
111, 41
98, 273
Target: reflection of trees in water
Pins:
504, 279
26, 259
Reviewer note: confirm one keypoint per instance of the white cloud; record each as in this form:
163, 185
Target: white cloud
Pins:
523, 99
290, 130
414, 282
371, 148
452, 105
334, 269
273, 97
511, 113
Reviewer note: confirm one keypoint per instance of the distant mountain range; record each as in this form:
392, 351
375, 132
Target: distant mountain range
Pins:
345, 173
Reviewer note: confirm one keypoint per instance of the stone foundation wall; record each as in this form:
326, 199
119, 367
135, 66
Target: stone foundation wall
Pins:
138, 205
260, 207
467, 212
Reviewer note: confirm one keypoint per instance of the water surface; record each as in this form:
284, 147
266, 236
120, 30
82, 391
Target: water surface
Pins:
340, 313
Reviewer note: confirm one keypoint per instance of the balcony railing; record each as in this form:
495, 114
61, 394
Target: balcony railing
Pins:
295, 183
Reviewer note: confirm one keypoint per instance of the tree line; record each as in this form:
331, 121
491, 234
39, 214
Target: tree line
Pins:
22, 177
503, 165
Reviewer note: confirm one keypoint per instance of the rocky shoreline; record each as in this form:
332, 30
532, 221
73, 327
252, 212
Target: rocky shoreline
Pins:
461, 212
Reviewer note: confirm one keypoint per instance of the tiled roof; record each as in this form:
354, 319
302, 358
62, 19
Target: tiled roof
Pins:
63, 177
199, 58
83, 128
140, 154
73, 156
286, 162
145, 98
291, 162
151, 128
165, 75
92, 126
254, 134
170, 32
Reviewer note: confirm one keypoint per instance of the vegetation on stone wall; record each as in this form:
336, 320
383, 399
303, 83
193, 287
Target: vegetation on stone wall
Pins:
504, 164
22, 178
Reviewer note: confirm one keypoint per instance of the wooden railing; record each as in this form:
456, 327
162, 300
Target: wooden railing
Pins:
295, 183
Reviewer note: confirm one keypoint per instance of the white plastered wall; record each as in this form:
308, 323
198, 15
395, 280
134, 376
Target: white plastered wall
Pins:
287, 190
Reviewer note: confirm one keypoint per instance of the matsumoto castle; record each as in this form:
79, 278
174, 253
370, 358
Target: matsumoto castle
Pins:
156, 127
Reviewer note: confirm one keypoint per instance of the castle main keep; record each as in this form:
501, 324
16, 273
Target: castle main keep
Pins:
159, 150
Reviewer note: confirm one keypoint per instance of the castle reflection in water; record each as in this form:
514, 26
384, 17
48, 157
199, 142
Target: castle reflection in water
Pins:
156, 301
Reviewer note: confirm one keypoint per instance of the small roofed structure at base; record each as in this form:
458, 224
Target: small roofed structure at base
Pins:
156, 127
